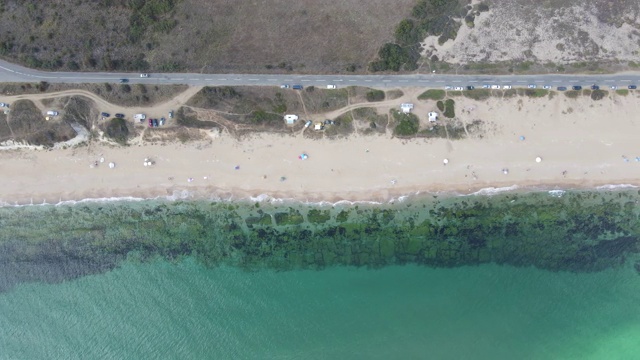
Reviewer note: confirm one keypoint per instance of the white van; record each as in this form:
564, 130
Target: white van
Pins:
52, 113
330, 86
139, 117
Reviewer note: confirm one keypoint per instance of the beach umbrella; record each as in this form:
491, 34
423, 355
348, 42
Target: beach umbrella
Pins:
505, 171
445, 161
538, 159
521, 138
112, 165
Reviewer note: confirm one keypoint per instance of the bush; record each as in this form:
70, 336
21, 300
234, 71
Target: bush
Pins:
623, 92
408, 124
572, 94
375, 95
598, 94
449, 110
117, 130
478, 94
440, 105
536, 93
432, 94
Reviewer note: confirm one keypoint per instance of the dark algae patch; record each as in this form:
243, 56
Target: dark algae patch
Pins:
579, 232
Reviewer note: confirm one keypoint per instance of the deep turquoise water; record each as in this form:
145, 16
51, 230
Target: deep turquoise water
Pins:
187, 311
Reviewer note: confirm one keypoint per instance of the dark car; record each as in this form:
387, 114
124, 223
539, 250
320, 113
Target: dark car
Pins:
105, 114
150, 122
562, 88
595, 87
297, 87
632, 87
329, 122
171, 114
470, 87
120, 116
576, 87
122, 81
155, 122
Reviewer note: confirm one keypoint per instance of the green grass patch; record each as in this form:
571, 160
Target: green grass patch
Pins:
449, 108
455, 93
623, 92
117, 130
598, 94
478, 94
432, 94
440, 105
536, 93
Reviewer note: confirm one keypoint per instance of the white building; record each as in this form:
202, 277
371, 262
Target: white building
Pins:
406, 108
433, 116
290, 119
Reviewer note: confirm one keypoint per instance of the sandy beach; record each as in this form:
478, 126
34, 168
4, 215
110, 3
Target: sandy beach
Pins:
581, 142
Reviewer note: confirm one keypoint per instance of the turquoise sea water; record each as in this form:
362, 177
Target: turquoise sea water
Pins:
186, 311
513, 276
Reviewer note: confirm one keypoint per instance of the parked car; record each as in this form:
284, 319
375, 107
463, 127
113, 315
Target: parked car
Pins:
104, 114
155, 122
297, 87
576, 87
631, 87
329, 122
307, 124
52, 113
486, 86
331, 86
162, 121
119, 116
613, 87
562, 88
4, 105
532, 86
547, 87
458, 88
448, 87
469, 87
284, 86
506, 87
122, 81
595, 87
495, 87
150, 122
144, 75
171, 114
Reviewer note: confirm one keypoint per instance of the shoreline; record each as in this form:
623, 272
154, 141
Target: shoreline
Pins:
196, 195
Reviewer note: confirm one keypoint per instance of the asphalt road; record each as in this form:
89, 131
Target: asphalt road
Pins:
14, 73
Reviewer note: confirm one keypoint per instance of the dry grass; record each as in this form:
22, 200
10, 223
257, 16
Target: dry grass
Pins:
209, 36
26, 123
117, 94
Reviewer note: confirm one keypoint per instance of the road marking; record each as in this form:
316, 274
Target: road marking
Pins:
223, 79
254, 79
338, 80
208, 79
457, 81
352, 80
420, 80
368, 80
177, 79
403, 81
193, 79
473, 81
439, 81
272, 79
319, 80
305, 80
609, 81
237, 79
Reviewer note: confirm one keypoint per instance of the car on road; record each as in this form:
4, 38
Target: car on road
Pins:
162, 121
576, 87
150, 122
144, 75
506, 87
630, 87
495, 87
547, 87
284, 86
119, 116
613, 87
595, 87
297, 87
448, 87
105, 114
458, 88
4, 105
532, 86
562, 88
122, 81
470, 87
155, 122
486, 86
331, 86
171, 114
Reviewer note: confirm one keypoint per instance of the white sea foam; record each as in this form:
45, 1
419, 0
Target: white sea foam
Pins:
494, 191
616, 187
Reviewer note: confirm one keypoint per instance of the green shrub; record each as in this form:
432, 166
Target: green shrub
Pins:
432, 94
440, 105
449, 110
407, 124
117, 130
623, 92
572, 94
375, 95
598, 94
478, 94
536, 93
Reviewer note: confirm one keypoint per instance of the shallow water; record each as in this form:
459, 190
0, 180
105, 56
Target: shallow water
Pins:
161, 310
